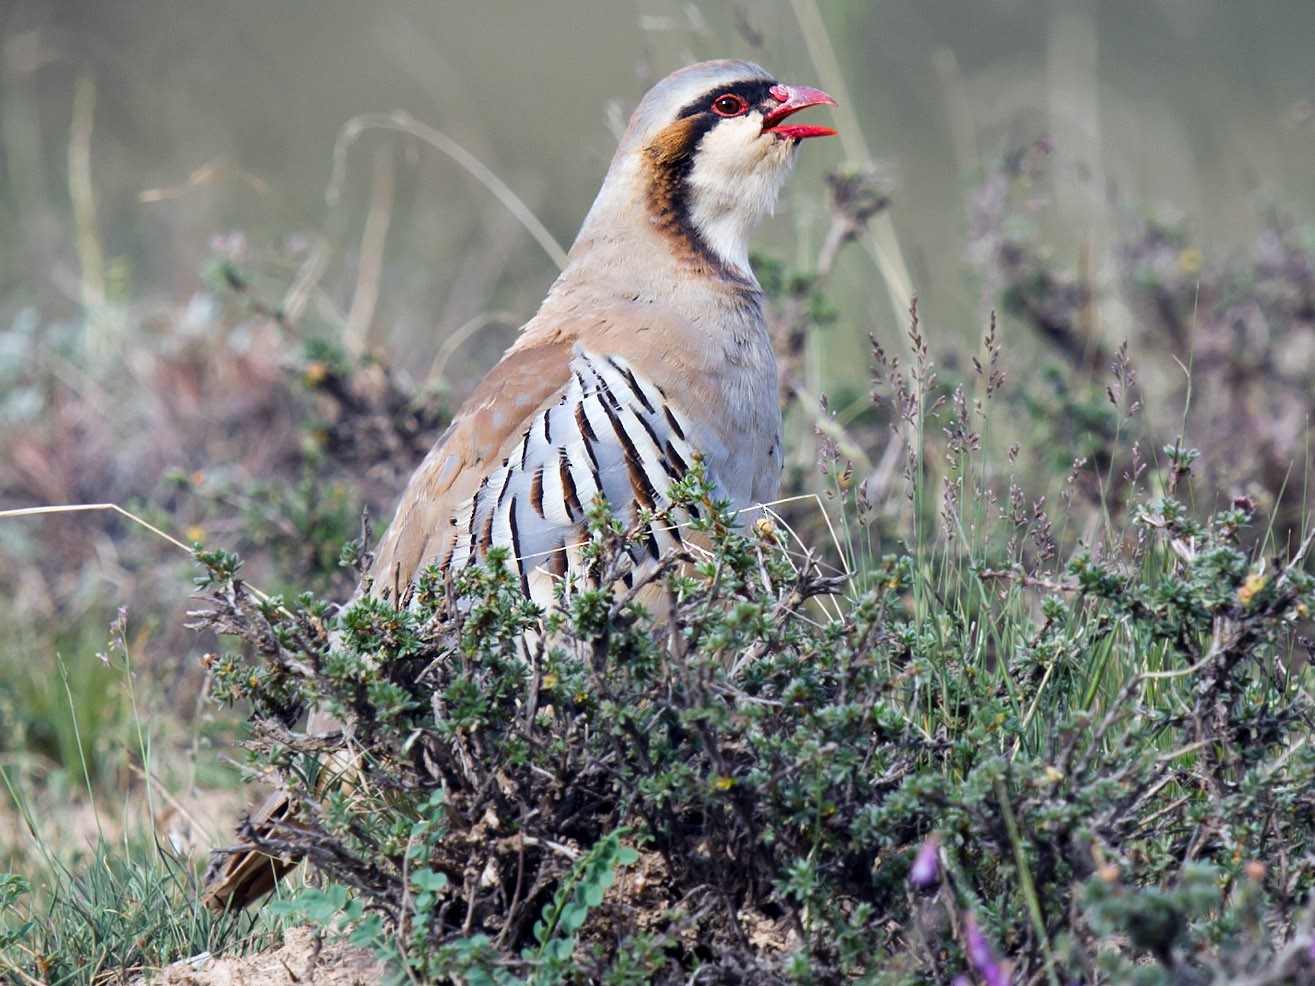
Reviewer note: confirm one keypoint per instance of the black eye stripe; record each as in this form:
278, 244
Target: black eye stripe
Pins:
753, 92
672, 155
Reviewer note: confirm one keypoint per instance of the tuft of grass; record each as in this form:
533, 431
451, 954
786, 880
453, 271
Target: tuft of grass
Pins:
115, 912
74, 720
100, 893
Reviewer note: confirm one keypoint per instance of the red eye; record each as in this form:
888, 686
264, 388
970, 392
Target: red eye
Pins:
729, 105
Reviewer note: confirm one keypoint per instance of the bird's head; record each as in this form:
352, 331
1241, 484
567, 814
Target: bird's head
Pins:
703, 159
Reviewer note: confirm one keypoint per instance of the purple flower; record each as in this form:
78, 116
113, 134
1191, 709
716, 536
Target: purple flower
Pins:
925, 874
980, 955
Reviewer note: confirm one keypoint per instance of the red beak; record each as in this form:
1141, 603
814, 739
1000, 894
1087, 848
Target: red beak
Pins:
792, 100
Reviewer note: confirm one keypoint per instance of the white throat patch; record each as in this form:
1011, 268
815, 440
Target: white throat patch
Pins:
738, 171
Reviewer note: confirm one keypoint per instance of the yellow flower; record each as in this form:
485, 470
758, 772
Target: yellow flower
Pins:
1191, 260
195, 534
1248, 589
316, 371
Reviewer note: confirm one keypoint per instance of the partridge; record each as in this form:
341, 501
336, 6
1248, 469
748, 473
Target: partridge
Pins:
650, 350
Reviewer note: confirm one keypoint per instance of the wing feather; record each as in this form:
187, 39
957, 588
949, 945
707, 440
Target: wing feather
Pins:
576, 408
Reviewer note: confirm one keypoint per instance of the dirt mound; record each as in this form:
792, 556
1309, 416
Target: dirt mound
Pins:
299, 961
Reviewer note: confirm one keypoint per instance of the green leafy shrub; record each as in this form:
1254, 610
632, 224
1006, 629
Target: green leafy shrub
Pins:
1109, 755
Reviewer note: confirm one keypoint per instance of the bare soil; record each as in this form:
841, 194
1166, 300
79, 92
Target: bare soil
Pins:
301, 960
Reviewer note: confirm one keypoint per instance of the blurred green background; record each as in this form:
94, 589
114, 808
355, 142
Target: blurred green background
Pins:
1138, 170
1120, 148
1196, 106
